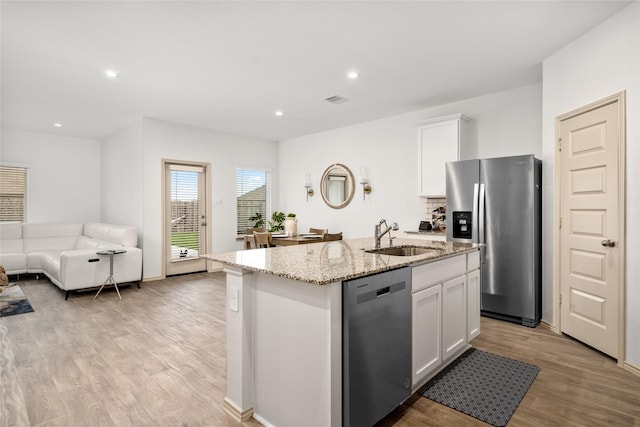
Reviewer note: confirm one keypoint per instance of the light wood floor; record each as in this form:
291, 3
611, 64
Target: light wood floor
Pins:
157, 358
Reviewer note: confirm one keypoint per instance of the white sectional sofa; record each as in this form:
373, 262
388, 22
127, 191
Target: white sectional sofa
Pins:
66, 253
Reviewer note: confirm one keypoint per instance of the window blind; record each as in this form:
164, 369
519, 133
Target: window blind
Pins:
253, 194
13, 194
186, 215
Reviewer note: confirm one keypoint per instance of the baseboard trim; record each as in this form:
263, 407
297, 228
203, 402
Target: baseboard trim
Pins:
548, 326
213, 266
153, 279
632, 368
241, 416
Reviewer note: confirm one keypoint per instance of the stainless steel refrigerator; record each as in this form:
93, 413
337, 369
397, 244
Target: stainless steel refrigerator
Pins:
497, 202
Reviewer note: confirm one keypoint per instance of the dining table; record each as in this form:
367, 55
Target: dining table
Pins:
281, 239
300, 239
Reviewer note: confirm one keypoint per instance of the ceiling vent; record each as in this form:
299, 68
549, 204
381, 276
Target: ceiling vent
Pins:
336, 99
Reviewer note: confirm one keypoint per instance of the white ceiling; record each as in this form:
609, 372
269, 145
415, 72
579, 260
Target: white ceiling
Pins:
229, 65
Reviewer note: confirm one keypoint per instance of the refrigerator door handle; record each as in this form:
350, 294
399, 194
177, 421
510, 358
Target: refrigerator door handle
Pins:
474, 214
481, 231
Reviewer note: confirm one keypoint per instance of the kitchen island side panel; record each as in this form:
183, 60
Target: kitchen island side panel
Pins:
297, 352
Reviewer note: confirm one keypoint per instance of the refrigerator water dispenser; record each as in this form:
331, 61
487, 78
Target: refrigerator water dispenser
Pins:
462, 225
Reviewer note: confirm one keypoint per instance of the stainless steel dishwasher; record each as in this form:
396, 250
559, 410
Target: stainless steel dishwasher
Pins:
376, 340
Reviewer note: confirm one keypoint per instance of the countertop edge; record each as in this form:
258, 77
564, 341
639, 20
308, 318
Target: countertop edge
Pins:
387, 262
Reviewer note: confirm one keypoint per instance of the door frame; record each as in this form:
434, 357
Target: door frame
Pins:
620, 99
163, 207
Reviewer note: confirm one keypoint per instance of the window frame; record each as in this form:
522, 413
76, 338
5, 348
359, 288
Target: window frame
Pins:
268, 175
25, 194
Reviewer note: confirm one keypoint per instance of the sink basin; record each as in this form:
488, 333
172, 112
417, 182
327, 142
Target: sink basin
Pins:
405, 251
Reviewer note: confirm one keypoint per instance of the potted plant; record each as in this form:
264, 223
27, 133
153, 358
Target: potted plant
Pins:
258, 220
277, 218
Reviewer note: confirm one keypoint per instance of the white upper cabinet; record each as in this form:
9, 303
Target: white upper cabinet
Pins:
441, 140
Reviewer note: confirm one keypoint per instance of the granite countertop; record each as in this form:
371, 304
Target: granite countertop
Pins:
430, 232
327, 262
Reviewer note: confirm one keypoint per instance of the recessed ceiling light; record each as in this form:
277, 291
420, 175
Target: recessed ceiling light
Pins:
111, 74
58, 125
279, 113
353, 74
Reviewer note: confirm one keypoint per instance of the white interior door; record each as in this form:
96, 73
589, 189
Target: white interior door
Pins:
590, 226
186, 217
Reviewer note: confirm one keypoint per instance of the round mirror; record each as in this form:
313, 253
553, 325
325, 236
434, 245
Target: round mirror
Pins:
337, 186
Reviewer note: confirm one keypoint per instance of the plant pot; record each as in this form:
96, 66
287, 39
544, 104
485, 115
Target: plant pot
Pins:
291, 227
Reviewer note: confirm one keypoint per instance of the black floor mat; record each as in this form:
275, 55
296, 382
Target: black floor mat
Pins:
484, 385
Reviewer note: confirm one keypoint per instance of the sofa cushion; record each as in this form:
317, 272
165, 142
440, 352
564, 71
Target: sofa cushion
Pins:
84, 242
11, 238
49, 244
12, 255
35, 230
11, 246
50, 237
36, 260
14, 263
11, 230
123, 235
50, 262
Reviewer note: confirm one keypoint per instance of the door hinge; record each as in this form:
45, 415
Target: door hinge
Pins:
560, 226
560, 299
559, 144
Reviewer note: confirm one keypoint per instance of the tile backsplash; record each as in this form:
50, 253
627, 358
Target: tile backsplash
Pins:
430, 204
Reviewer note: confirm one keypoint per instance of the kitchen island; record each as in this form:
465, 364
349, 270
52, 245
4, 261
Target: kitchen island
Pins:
284, 324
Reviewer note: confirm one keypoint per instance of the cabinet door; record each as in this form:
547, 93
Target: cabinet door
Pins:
426, 332
454, 316
473, 304
437, 145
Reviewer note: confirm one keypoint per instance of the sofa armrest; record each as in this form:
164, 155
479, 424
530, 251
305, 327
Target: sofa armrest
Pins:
83, 268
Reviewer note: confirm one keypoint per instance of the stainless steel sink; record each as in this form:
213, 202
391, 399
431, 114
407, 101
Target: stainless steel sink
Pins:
405, 251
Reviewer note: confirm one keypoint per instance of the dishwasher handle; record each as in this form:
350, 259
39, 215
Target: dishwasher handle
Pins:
382, 292
374, 294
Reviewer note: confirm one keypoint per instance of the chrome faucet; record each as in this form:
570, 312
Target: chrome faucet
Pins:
378, 235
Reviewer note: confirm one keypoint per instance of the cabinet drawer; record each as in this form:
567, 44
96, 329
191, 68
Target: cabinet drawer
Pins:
473, 261
426, 275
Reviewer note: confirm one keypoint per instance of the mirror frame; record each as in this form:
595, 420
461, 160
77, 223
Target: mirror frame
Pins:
351, 186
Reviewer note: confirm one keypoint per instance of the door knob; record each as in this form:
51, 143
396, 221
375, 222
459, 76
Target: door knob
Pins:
608, 242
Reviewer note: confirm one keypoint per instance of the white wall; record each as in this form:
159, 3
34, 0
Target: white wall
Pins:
604, 61
505, 123
64, 174
225, 152
121, 157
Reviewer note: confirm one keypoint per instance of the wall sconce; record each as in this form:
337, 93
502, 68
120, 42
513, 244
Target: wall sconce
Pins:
365, 182
307, 185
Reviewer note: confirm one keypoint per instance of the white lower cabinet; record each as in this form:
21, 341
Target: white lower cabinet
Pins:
454, 316
445, 313
427, 327
473, 304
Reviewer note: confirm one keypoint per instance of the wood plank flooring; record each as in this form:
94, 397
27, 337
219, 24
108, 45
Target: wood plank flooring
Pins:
576, 385
157, 358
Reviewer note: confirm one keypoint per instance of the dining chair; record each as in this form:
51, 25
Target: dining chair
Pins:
328, 237
320, 231
262, 239
249, 240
